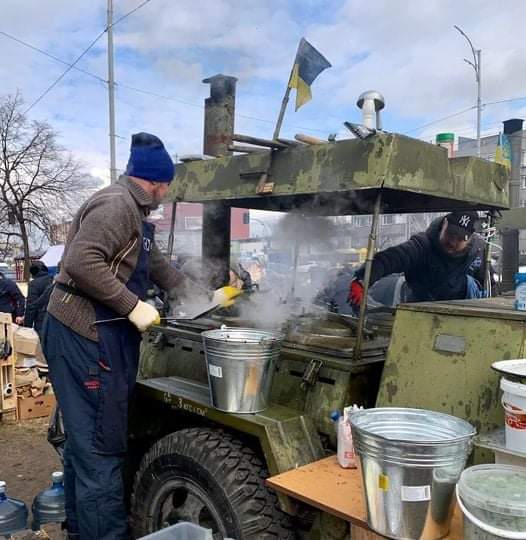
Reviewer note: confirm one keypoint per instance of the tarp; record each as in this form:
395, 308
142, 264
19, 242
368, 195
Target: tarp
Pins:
52, 257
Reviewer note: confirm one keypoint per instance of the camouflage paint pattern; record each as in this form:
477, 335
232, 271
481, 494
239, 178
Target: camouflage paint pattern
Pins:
447, 368
418, 176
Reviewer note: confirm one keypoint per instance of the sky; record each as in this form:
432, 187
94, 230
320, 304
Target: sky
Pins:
406, 49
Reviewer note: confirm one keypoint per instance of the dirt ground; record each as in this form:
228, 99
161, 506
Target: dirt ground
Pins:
26, 463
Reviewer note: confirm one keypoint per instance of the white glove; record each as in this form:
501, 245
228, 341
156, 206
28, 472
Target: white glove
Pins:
143, 315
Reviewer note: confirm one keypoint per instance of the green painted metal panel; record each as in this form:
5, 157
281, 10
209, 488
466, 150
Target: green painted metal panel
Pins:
440, 357
343, 177
288, 438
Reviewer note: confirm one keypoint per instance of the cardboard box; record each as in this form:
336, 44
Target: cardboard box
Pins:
36, 407
25, 340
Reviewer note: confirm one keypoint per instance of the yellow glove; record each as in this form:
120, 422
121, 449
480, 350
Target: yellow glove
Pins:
224, 296
143, 315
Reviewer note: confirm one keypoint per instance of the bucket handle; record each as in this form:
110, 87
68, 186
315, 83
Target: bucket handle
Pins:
513, 535
510, 410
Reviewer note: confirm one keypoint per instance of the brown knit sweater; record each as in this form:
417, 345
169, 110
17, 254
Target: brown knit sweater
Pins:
101, 254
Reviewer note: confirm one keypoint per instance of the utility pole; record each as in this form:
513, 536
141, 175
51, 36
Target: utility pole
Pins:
111, 93
476, 65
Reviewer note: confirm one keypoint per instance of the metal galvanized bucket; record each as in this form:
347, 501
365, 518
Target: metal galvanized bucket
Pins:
240, 364
411, 460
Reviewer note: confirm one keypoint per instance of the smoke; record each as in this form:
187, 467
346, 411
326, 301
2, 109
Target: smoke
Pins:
306, 230
289, 291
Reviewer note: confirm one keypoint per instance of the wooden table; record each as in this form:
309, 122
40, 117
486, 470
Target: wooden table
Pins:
326, 486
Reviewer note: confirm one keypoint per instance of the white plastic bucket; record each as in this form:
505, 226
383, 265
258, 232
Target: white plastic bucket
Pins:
493, 501
514, 403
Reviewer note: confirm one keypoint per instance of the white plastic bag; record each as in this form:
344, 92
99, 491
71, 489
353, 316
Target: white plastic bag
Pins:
345, 452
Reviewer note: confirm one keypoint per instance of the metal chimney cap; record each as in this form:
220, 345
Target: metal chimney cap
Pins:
379, 101
219, 77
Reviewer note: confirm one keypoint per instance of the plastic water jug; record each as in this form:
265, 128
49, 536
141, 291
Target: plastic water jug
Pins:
13, 514
48, 505
520, 291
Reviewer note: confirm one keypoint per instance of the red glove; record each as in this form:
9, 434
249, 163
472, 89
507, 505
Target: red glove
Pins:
355, 293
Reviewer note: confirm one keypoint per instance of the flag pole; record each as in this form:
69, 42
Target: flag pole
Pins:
284, 104
263, 180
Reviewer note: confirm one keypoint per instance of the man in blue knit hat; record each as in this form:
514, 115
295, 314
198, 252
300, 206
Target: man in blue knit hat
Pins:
109, 262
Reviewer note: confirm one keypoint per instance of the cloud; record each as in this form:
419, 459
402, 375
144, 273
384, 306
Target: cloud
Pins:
407, 50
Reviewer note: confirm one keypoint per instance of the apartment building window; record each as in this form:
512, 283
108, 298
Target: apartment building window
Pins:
523, 181
523, 162
362, 221
388, 219
246, 218
193, 223
523, 203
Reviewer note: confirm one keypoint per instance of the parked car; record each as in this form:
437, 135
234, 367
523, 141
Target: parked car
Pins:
8, 272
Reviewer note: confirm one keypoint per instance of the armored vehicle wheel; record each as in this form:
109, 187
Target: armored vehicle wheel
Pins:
210, 478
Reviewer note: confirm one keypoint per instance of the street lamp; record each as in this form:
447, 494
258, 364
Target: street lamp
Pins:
476, 66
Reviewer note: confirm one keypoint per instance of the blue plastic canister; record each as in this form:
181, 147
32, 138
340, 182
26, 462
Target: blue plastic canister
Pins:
520, 291
49, 505
13, 514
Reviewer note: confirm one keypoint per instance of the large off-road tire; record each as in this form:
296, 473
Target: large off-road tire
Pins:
208, 477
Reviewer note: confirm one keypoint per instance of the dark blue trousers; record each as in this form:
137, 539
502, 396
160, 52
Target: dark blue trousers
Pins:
92, 480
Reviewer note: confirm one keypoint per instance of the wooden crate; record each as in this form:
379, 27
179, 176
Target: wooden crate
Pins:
8, 404
36, 407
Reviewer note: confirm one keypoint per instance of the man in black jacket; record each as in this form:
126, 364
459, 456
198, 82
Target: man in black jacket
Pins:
446, 262
35, 313
11, 299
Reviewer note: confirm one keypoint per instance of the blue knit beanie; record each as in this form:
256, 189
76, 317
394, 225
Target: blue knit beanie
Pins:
149, 160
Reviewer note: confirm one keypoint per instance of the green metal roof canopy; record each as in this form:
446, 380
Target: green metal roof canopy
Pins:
344, 177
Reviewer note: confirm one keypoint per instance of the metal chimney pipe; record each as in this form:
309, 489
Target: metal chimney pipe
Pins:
218, 131
219, 115
371, 103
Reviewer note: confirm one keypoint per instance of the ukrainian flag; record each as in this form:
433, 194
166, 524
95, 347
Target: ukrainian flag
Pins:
309, 63
503, 151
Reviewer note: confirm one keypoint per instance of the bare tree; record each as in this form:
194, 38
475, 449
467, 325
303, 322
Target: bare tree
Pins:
39, 181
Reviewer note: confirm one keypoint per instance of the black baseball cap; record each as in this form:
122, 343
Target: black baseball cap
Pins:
462, 224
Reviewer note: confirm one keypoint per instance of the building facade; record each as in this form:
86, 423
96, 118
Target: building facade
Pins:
513, 128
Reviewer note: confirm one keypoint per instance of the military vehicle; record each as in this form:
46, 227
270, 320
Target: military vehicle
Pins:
191, 462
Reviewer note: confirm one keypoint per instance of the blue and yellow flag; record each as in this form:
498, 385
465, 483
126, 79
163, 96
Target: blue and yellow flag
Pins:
309, 63
503, 151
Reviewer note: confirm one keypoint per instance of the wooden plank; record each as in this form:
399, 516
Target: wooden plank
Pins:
8, 403
328, 487
325, 485
359, 533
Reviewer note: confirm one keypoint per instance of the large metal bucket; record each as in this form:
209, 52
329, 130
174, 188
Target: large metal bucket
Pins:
240, 365
411, 460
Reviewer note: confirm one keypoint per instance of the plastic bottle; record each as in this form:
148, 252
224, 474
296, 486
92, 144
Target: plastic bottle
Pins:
13, 513
49, 505
345, 449
520, 291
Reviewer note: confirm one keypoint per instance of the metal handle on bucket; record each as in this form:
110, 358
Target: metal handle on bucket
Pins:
488, 528
510, 410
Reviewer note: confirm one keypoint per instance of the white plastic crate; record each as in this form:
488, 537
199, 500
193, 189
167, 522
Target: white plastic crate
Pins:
182, 531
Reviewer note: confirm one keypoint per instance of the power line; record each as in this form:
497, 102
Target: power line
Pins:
52, 56
90, 46
188, 103
505, 101
140, 90
125, 16
438, 120
64, 73
488, 103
